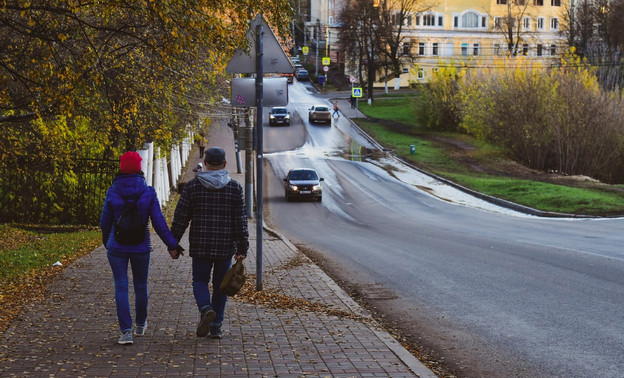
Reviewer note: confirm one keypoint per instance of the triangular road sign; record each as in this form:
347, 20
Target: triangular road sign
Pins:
274, 60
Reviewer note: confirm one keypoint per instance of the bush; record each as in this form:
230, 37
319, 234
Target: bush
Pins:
547, 119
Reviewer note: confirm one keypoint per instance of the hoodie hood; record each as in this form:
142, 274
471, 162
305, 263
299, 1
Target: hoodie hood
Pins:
214, 180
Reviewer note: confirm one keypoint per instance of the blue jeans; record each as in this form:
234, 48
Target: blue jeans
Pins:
202, 268
139, 262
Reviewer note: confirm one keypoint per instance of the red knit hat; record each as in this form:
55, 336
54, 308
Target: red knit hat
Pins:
130, 162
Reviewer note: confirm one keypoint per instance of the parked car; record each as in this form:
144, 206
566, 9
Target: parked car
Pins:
302, 74
289, 77
279, 115
319, 113
297, 66
295, 60
303, 183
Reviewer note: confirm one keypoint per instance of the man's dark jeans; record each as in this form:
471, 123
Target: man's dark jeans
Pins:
203, 268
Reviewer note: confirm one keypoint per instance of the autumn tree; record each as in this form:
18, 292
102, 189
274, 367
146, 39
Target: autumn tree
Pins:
87, 79
595, 30
360, 39
394, 16
137, 70
510, 25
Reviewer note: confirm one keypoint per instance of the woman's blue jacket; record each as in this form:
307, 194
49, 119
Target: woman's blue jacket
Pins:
128, 186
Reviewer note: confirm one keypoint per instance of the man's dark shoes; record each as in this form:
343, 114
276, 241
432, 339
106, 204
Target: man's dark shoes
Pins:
207, 317
215, 332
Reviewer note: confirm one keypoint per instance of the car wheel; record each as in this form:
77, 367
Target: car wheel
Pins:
287, 197
320, 198
310, 119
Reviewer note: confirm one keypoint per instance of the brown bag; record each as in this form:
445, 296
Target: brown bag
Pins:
234, 279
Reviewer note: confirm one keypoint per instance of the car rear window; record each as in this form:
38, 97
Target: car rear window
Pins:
322, 108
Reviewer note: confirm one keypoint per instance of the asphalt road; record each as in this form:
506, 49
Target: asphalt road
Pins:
489, 293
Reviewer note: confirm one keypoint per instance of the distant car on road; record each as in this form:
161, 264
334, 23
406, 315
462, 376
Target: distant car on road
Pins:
289, 77
303, 183
319, 113
279, 115
302, 74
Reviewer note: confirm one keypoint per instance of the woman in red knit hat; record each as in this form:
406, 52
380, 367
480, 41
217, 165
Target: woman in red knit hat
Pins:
130, 186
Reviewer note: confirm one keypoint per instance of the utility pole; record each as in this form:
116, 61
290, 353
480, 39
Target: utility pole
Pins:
318, 35
259, 153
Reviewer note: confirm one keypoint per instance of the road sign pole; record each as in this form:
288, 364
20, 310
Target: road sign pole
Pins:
259, 155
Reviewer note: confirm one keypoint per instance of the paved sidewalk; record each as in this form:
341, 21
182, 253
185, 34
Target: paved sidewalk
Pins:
301, 324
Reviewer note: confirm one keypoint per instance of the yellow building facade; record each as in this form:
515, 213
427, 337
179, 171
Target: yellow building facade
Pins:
473, 32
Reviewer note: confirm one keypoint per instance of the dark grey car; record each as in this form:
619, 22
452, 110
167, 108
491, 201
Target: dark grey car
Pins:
303, 183
279, 115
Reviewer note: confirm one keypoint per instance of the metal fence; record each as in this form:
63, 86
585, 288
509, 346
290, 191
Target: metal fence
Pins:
74, 196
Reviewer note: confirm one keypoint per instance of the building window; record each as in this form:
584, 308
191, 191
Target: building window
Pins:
497, 48
475, 49
525, 49
421, 73
553, 50
417, 20
395, 19
455, 21
428, 20
540, 50
408, 20
526, 23
464, 49
554, 23
434, 49
405, 70
555, 3
538, 3
440, 21
421, 48
540, 23
470, 20
406, 48
502, 2
498, 22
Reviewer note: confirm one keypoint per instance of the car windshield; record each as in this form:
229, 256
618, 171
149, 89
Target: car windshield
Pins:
278, 111
303, 175
321, 109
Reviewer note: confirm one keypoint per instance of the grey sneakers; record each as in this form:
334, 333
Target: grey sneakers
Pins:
125, 338
140, 329
215, 332
207, 316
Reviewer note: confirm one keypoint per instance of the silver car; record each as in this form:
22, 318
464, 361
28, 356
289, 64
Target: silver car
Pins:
319, 113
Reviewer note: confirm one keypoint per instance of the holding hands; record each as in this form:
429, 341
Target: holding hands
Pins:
177, 252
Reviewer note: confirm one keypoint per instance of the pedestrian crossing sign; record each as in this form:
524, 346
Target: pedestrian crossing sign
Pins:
356, 92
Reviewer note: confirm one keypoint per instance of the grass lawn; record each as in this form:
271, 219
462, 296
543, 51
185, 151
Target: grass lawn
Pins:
27, 258
436, 157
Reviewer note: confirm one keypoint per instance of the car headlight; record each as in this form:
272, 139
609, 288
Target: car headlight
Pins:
316, 187
271, 116
287, 117
293, 187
